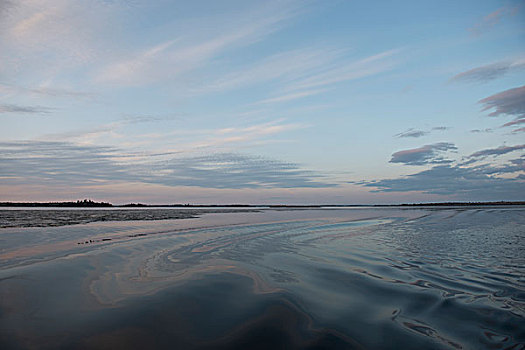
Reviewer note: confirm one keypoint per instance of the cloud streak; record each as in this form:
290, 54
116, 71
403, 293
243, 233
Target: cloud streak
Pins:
488, 72
496, 151
428, 154
413, 133
18, 109
41, 162
45, 91
169, 59
300, 73
338, 72
509, 102
479, 131
492, 19
515, 122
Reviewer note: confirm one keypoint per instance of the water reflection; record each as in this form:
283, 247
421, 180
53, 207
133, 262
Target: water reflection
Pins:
359, 278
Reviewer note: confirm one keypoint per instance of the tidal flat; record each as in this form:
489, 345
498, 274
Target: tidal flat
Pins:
340, 278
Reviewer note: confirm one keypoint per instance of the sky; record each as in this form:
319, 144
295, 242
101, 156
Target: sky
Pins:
293, 102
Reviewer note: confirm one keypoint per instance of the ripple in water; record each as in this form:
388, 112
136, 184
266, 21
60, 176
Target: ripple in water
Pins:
354, 278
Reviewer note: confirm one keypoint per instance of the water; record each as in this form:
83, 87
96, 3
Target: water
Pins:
45, 217
358, 278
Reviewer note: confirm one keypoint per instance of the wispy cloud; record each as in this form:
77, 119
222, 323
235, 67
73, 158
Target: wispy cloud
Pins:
136, 119
493, 18
496, 151
428, 154
412, 133
489, 72
515, 122
107, 131
241, 171
231, 136
38, 162
509, 102
42, 38
300, 73
86, 136
285, 66
479, 131
291, 96
62, 41
44, 91
18, 109
169, 59
179, 140
338, 72
148, 65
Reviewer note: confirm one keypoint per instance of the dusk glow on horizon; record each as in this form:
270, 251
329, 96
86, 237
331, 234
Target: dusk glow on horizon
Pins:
292, 102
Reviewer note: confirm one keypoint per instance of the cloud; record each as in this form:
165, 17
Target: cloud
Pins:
144, 66
492, 19
286, 66
67, 164
496, 151
488, 72
509, 102
75, 43
478, 183
228, 170
428, 154
299, 73
419, 133
292, 96
42, 38
504, 181
338, 72
5, 7
515, 122
45, 91
11, 108
109, 130
479, 131
85, 136
226, 139
179, 55
179, 140
412, 133
136, 119
513, 166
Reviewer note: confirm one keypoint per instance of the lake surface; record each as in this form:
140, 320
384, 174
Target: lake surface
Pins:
344, 278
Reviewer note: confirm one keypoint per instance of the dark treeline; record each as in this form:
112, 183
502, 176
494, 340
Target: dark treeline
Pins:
93, 204
80, 203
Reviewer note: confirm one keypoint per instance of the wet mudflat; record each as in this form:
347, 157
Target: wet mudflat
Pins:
441, 278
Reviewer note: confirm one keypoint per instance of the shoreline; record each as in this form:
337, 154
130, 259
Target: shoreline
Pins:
91, 204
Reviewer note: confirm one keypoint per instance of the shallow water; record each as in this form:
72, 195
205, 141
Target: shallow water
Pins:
367, 278
45, 217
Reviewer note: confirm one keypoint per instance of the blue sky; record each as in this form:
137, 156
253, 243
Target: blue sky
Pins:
262, 102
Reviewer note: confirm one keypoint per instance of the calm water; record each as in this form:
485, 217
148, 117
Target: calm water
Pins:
447, 278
